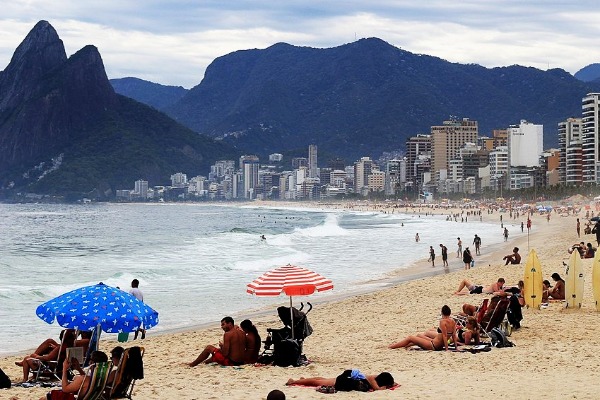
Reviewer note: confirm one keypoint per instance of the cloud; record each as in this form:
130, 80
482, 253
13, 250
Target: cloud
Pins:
173, 42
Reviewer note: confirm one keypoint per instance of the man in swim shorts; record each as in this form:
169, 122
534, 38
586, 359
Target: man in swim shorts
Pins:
494, 288
230, 352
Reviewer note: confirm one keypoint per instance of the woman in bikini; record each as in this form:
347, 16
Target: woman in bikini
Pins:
447, 329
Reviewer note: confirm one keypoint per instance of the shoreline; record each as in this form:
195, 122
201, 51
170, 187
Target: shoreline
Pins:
354, 331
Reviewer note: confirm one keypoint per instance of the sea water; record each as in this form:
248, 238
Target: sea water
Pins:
194, 261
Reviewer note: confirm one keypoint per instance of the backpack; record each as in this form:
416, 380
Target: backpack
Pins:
4, 380
499, 338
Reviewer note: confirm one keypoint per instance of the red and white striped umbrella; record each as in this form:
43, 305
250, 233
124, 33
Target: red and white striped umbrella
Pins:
291, 280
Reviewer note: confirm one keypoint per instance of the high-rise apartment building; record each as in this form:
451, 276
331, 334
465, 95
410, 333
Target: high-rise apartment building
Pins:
141, 189
590, 120
570, 164
447, 139
312, 161
249, 164
416, 146
525, 144
362, 170
178, 180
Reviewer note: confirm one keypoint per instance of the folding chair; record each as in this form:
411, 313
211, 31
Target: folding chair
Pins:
99, 375
130, 369
495, 314
52, 369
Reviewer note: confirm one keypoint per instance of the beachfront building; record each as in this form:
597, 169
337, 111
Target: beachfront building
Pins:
376, 181
447, 140
362, 170
179, 180
140, 189
590, 130
570, 165
249, 165
312, 161
416, 147
395, 176
197, 186
525, 144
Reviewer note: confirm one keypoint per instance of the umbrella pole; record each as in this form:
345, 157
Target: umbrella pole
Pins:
292, 316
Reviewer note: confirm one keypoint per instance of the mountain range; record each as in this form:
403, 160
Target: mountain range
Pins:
64, 130
364, 98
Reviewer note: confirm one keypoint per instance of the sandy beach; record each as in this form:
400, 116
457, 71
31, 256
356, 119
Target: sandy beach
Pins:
555, 356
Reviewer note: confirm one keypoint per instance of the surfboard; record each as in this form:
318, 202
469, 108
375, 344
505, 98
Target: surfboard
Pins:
596, 280
574, 282
533, 280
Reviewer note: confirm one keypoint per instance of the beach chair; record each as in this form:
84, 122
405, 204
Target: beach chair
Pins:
52, 369
495, 316
99, 375
92, 346
461, 319
129, 370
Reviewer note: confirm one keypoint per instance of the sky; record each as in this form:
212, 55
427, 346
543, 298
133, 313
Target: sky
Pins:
171, 42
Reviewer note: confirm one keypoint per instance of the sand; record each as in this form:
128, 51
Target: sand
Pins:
555, 356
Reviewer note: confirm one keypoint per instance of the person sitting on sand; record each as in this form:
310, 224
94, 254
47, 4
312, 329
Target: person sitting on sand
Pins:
467, 335
494, 288
447, 329
252, 342
580, 247
79, 384
231, 352
590, 251
514, 258
50, 351
557, 292
384, 380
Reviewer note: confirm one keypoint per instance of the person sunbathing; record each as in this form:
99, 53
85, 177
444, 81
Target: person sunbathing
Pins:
384, 380
467, 335
252, 342
447, 329
49, 350
494, 288
80, 383
514, 258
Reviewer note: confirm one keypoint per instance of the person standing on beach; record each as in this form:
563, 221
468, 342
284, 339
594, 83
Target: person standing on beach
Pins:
137, 293
459, 250
467, 258
522, 226
505, 235
444, 255
578, 228
432, 256
477, 243
596, 230
417, 237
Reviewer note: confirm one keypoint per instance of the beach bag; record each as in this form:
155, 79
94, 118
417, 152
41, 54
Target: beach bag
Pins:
286, 352
499, 338
4, 380
345, 383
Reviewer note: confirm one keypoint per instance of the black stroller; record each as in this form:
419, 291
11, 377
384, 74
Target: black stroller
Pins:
283, 346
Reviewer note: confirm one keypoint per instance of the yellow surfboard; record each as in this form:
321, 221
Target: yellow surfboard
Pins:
596, 280
574, 282
533, 281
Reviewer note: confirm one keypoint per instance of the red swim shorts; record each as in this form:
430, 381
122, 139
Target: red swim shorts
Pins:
219, 358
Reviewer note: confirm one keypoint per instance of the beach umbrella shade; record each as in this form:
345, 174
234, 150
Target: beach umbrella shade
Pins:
290, 280
86, 308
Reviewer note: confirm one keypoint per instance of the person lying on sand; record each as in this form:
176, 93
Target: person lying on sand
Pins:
494, 288
384, 380
467, 335
447, 329
231, 352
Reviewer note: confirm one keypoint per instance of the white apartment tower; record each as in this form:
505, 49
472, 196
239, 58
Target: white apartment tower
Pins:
249, 165
141, 188
525, 144
362, 170
179, 180
590, 113
312, 161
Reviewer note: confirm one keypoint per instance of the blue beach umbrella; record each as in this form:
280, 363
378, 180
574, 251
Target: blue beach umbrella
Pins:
86, 308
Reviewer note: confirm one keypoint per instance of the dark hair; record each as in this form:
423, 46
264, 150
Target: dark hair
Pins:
86, 334
135, 283
385, 378
556, 277
446, 310
99, 357
276, 395
228, 320
516, 250
501, 280
68, 338
249, 327
117, 352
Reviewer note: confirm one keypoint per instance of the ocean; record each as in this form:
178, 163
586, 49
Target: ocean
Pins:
193, 261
